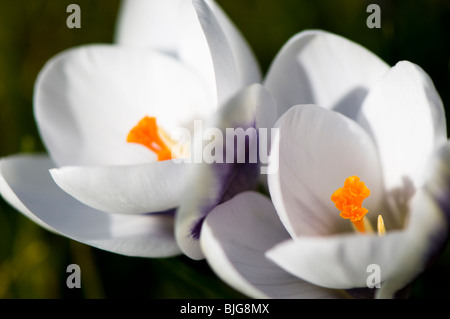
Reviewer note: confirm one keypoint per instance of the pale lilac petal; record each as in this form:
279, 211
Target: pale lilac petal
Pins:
236, 236
28, 186
317, 67
88, 99
214, 179
313, 153
405, 116
136, 189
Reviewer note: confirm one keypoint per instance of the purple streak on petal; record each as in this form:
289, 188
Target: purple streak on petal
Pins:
232, 178
169, 212
438, 186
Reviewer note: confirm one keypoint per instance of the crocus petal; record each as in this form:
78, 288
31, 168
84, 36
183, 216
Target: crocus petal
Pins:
313, 153
27, 184
405, 116
438, 179
247, 65
88, 99
214, 180
151, 24
236, 236
172, 26
339, 262
343, 261
429, 221
144, 188
425, 237
169, 26
317, 67
234, 65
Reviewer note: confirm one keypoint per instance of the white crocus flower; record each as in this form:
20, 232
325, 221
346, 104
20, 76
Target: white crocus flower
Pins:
102, 190
384, 125
220, 179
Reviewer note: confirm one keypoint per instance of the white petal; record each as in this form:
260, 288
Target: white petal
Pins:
30, 188
234, 239
343, 261
313, 153
426, 236
150, 24
213, 180
429, 221
7, 193
438, 178
247, 65
172, 26
234, 66
145, 188
317, 67
339, 262
404, 113
225, 69
88, 99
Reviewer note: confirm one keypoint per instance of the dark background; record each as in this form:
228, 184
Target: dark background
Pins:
33, 261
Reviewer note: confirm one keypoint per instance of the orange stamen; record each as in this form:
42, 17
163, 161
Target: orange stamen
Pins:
147, 133
348, 200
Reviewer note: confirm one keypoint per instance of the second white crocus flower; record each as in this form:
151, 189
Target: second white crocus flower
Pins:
357, 140
95, 104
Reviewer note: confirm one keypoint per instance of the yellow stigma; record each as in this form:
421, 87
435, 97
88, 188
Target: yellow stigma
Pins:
348, 200
380, 226
147, 133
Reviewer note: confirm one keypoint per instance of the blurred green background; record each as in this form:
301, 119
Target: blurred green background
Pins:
33, 261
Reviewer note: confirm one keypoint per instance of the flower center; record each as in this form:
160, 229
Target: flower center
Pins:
149, 134
349, 199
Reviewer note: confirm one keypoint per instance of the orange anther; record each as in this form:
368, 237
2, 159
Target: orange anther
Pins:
147, 133
348, 200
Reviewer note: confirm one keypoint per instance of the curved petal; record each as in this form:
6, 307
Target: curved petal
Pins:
150, 24
317, 67
236, 236
88, 99
173, 27
27, 184
247, 65
145, 188
313, 153
343, 261
405, 116
437, 179
169, 26
234, 65
339, 262
229, 167
8, 194
426, 234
